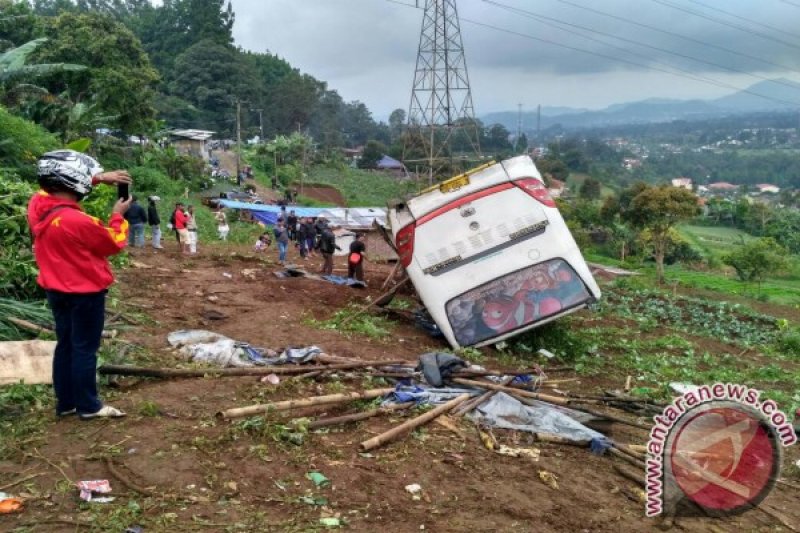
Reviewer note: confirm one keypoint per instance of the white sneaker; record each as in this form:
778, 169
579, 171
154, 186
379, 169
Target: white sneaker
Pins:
105, 412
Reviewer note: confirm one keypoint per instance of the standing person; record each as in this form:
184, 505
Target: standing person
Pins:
191, 226
282, 238
311, 234
137, 218
154, 221
72, 249
222, 224
181, 230
355, 259
291, 221
327, 246
300, 235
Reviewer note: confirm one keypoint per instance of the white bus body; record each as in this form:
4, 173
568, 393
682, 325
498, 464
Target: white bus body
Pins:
490, 254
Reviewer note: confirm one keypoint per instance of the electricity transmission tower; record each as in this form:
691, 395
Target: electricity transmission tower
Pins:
441, 117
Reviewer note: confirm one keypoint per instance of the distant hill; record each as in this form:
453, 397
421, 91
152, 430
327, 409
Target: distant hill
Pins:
781, 95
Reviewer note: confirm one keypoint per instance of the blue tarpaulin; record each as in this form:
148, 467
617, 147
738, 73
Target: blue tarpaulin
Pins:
268, 214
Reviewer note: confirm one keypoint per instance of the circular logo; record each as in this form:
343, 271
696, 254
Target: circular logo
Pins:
724, 457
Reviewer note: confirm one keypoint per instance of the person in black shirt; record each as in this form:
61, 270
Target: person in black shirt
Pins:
291, 221
355, 260
327, 246
137, 218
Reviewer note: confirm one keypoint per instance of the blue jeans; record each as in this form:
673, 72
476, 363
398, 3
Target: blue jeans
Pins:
282, 247
136, 235
79, 322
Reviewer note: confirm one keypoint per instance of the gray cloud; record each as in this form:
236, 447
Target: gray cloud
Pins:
366, 48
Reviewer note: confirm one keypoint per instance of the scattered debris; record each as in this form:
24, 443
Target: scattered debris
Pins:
249, 273
531, 453
227, 275
27, 361
272, 379
415, 489
9, 504
330, 521
546, 353
682, 388
549, 479
89, 488
318, 479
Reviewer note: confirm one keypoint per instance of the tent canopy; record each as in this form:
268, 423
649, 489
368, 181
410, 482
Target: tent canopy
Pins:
357, 217
390, 163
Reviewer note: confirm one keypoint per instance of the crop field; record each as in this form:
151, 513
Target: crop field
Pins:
361, 188
713, 240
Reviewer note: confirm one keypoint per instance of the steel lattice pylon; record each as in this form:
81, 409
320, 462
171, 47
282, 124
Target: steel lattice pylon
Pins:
441, 109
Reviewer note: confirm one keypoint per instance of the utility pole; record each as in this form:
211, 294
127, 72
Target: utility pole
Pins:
260, 123
441, 107
239, 143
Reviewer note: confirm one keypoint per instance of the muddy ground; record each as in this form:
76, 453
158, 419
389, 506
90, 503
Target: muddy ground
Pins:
198, 473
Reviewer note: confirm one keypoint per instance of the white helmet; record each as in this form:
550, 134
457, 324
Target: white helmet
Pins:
68, 169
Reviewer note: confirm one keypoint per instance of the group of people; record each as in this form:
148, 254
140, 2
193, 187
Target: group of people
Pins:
311, 236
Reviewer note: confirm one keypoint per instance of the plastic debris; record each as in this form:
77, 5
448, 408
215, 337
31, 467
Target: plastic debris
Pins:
414, 489
135, 529
549, 479
531, 453
272, 379
682, 388
318, 479
330, 521
546, 353
228, 275
9, 503
98, 486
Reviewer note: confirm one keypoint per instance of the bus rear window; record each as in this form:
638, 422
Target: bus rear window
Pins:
515, 300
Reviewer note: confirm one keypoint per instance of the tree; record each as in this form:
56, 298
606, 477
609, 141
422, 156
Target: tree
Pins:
119, 79
13, 65
757, 259
397, 121
373, 152
659, 209
590, 189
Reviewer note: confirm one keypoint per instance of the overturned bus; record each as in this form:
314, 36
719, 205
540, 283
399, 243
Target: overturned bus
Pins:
490, 255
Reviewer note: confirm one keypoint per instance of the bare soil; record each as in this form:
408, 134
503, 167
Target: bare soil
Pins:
210, 475
323, 193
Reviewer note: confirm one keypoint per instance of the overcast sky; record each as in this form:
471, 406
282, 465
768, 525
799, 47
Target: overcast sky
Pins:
366, 49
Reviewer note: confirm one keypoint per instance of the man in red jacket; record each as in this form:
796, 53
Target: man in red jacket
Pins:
71, 250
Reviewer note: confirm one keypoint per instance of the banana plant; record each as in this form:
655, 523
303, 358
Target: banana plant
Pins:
13, 64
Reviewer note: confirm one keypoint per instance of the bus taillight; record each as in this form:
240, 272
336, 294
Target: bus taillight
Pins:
536, 189
405, 244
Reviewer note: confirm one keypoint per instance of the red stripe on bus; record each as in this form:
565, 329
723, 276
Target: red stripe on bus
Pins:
463, 200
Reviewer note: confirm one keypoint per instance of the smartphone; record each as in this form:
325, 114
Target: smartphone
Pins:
123, 191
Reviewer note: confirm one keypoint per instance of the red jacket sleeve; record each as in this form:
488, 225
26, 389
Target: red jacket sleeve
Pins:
103, 240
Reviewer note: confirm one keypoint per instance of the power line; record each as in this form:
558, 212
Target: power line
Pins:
739, 17
536, 16
790, 3
678, 35
617, 59
726, 23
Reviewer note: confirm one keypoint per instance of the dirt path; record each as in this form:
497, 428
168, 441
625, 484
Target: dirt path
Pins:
210, 475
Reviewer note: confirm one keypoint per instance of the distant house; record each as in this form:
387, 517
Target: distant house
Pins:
682, 183
767, 188
722, 187
629, 163
392, 165
190, 142
556, 188
353, 153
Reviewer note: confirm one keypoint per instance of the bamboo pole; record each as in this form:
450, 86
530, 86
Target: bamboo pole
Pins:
166, 373
409, 425
30, 326
355, 417
627, 458
514, 392
466, 407
238, 412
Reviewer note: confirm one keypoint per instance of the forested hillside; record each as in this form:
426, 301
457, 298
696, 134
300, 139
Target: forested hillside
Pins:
175, 62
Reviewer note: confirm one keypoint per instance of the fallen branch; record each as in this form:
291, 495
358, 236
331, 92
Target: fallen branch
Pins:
380, 301
466, 407
627, 458
633, 476
409, 425
167, 373
612, 418
124, 480
29, 326
511, 391
39, 455
21, 480
238, 412
355, 417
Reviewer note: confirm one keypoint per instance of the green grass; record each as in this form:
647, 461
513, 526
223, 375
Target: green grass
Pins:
713, 240
361, 188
